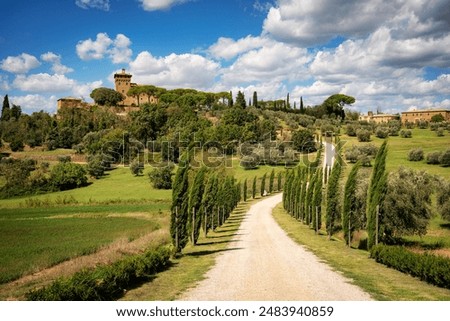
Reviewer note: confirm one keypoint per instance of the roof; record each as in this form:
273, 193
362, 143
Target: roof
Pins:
69, 98
426, 111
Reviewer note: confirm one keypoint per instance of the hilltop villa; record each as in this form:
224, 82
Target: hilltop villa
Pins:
415, 116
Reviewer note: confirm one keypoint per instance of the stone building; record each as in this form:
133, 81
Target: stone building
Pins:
71, 102
123, 84
415, 116
378, 118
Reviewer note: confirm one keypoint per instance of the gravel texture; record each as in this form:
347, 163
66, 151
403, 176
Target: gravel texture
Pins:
264, 264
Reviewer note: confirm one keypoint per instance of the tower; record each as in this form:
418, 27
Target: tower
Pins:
122, 85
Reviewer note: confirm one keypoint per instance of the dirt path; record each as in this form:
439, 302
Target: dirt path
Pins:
263, 263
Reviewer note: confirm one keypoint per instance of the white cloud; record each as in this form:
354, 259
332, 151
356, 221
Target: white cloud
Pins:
228, 48
32, 103
96, 4
4, 83
55, 60
174, 71
43, 83
20, 64
118, 49
84, 90
154, 5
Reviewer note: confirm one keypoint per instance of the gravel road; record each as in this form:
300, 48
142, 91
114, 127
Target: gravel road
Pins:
264, 264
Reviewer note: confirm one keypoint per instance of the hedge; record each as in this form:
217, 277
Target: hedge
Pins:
106, 282
427, 267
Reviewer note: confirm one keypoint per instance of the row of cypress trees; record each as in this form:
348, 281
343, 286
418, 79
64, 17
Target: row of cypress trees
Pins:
203, 201
303, 194
263, 190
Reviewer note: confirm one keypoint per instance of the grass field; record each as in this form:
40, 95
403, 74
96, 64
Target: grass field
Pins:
399, 147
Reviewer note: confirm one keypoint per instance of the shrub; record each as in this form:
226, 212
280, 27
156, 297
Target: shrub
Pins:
423, 124
16, 145
434, 158
406, 133
136, 167
440, 132
382, 132
444, 159
250, 162
428, 267
107, 282
64, 159
363, 135
415, 155
161, 177
434, 126
95, 166
364, 153
66, 176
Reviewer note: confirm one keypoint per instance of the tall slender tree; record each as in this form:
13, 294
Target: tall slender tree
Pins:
263, 185
317, 201
209, 199
179, 210
333, 208
350, 204
195, 202
279, 179
245, 190
5, 109
375, 196
254, 188
271, 181
302, 108
255, 99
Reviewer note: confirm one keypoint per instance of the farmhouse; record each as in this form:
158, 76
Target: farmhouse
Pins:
378, 118
415, 116
71, 102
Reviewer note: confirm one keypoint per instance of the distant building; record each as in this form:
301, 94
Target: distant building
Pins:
123, 84
415, 116
378, 118
71, 102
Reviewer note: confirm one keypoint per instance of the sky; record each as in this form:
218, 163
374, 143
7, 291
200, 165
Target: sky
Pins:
391, 55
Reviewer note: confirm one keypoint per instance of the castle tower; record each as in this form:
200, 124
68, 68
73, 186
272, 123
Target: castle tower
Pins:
122, 85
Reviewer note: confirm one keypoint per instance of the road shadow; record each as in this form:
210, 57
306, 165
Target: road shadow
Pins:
209, 252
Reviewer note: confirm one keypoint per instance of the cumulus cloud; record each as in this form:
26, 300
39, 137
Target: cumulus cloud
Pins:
33, 103
228, 48
20, 64
95, 4
118, 49
174, 71
4, 84
154, 5
55, 60
43, 83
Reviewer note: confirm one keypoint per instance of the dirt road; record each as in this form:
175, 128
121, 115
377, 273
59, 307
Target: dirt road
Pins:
263, 263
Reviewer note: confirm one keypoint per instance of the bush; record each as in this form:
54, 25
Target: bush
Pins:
382, 132
17, 145
434, 158
430, 268
107, 282
423, 124
64, 159
96, 166
444, 159
406, 134
364, 153
440, 132
161, 178
415, 155
363, 135
136, 167
66, 176
250, 162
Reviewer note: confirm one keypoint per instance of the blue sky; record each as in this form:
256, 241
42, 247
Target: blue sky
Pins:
391, 55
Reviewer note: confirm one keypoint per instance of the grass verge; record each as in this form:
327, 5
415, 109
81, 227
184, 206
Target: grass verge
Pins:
381, 282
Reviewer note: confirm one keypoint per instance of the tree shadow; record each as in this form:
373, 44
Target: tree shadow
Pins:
209, 252
445, 225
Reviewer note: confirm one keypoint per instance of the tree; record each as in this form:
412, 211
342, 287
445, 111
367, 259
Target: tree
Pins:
303, 141
136, 167
245, 190
263, 185
161, 177
195, 202
240, 100
349, 215
255, 99
179, 209
209, 200
279, 178
68, 175
444, 158
443, 199
288, 104
437, 118
334, 105
271, 180
333, 204
254, 188
95, 166
407, 204
317, 201
5, 109
302, 108
15, 112
106, 96
376, 195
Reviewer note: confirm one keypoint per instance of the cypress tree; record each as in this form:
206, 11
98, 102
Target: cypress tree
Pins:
271, 180
309, 197
279, 178
302, 109
195, 202
179, 209
6, 112
254, 188
245, 190
350, 204
263, 185
255, 99
376, 194
230, 100
288, 104
209, 202
333, 209
301, 206
317, 200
